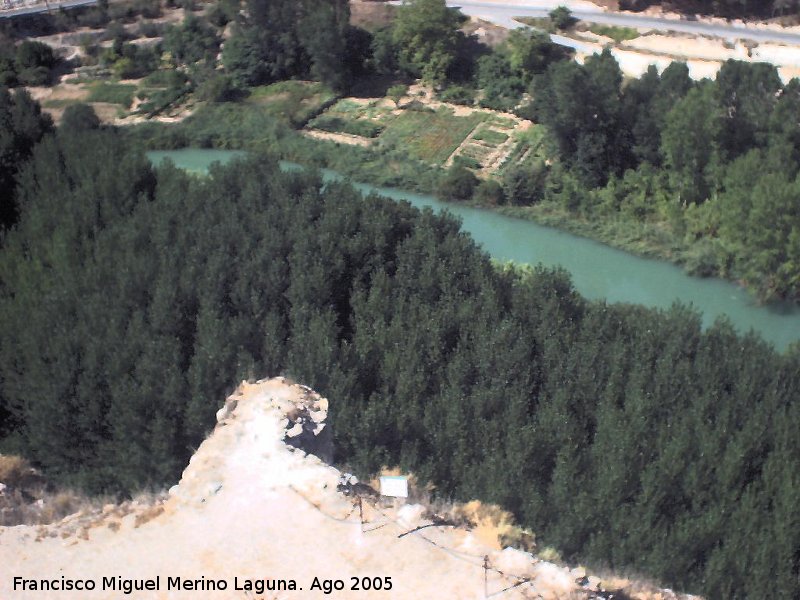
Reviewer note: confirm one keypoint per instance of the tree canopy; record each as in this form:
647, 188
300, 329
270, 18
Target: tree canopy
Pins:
133, 298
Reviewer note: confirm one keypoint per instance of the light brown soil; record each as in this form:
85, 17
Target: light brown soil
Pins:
487, 33
341, 138
371, 14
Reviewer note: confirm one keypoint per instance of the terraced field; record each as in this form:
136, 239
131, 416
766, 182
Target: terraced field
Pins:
431, 136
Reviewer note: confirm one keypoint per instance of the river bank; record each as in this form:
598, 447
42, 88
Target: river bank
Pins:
598, 271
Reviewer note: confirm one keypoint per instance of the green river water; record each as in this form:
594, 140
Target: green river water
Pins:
598, 271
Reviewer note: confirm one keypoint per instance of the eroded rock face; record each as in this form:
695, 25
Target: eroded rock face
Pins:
307, 429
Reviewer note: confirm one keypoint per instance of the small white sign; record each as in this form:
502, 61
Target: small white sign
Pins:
394, 485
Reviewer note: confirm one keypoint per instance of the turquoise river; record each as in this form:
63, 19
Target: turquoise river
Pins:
598, 271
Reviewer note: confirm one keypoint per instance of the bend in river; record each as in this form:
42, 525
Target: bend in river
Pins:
598, 271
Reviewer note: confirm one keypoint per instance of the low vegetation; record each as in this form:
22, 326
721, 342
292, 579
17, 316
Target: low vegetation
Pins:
490, 136
27, 499
615, 32
430, 135
361, 128
113, 93
293, 101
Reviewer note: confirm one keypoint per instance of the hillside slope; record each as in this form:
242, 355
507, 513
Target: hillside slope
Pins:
251, 510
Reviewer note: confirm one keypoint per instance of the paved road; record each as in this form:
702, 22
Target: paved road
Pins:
40, 8
502, 14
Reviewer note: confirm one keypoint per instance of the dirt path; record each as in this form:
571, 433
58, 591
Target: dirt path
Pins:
341, 138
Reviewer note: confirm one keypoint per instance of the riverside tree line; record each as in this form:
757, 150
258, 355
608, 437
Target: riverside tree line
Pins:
703, 173
132, 298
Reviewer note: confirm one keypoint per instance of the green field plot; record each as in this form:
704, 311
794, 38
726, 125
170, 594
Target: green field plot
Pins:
113, 93
616, 33
59, 102
543, 23
498, 121
337, 124
490, 136
529, 145
350, 110
292, 101
430, 136
478, 152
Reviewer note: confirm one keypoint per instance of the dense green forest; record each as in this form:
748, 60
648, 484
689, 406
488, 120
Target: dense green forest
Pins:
132, 299
713, 163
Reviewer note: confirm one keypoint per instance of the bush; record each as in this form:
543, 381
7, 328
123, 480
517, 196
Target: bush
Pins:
113, 93
490, 136
396, 93
468, 162
524, 185
35, 54
458, 183
13, 470
353, 127
151, 30
34, 76
562, 18
217, 87
149, 9
223, 12
489, 192
116, 31
94, 19
458, 94
79, 117
165, 78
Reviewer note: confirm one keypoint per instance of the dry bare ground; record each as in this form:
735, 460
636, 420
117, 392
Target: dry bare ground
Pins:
253, 505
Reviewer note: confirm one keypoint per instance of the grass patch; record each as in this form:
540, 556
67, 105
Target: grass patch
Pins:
112, 93
335, 124
529, 145
295, 102
543, 23
490, 136
430, 136
349, 109
60, 102
616, 33
467, 161
478, 152
499, 121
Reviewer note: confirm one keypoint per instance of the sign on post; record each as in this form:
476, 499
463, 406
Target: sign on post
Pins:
394, 485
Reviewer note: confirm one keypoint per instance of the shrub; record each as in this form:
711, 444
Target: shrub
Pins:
34, 76
353, 127
524, 185
78, 117
396, 93
151, 30
217, 87
469, 162
113, 93
489, 192
562, 18
490, 136
35, 54
165, 78
458, 183
13, 470
458, 94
